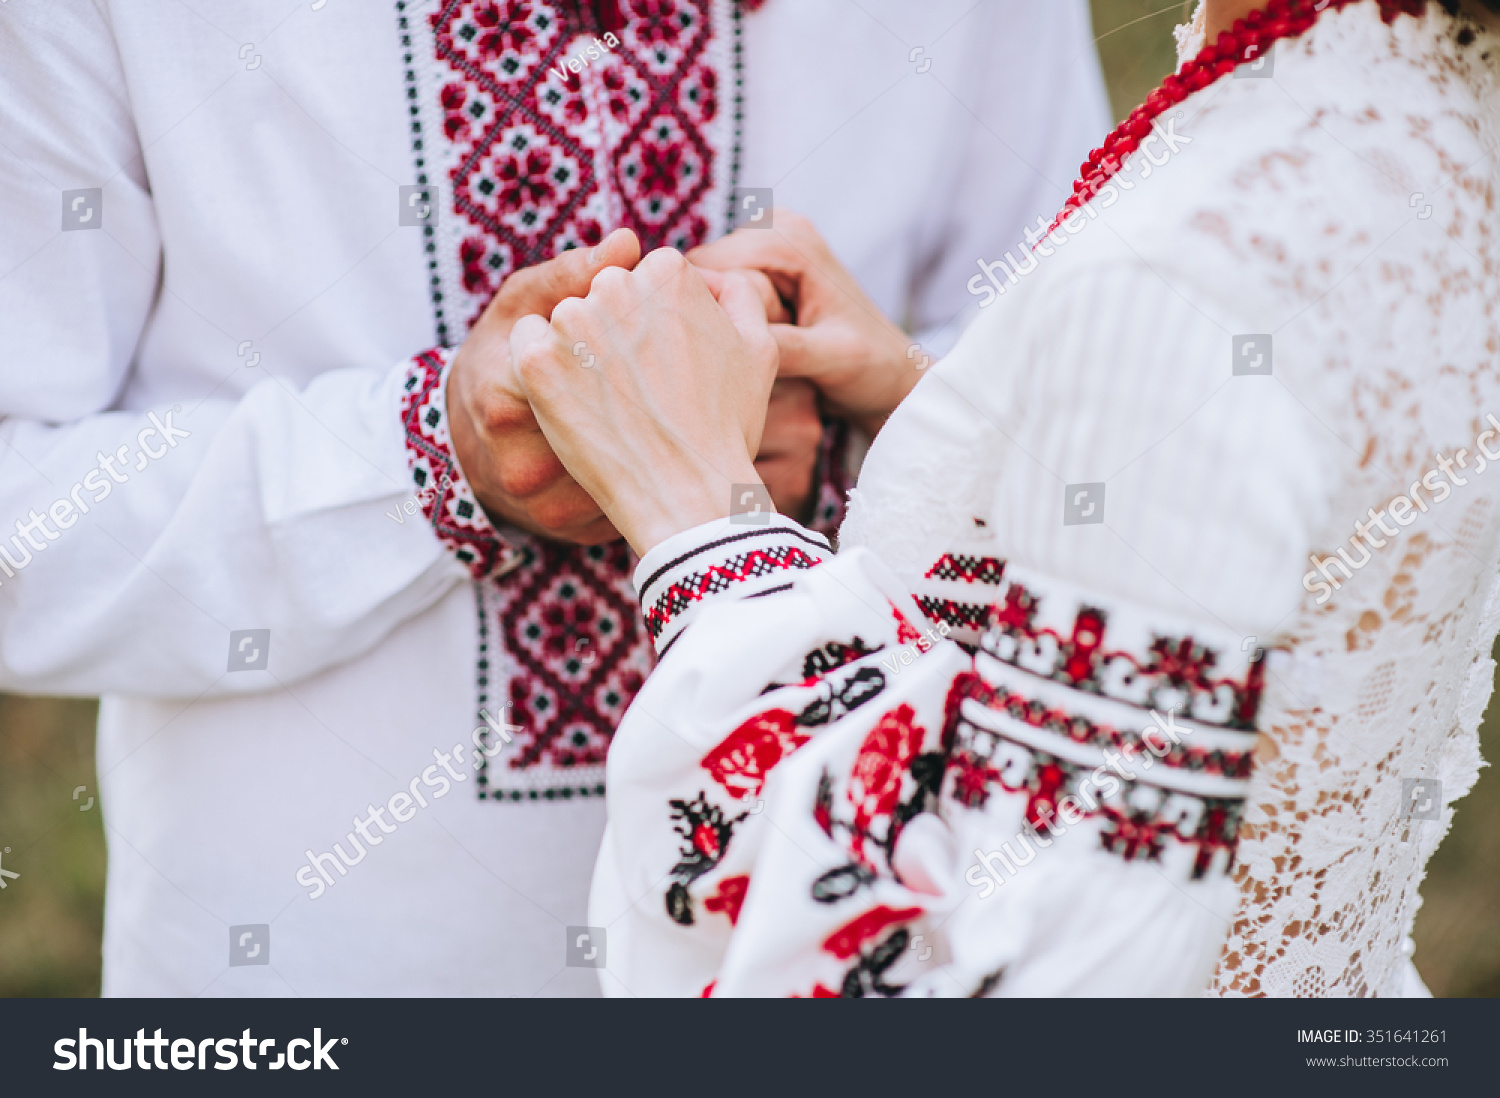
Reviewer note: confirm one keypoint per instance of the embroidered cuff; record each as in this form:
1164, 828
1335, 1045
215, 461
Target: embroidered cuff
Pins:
726, 557
446, 498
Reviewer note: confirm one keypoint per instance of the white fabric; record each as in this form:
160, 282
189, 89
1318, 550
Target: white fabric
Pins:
251, 194
1081, 920
1297, 210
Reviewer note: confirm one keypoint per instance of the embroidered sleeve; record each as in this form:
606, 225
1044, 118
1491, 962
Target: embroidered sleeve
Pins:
733, 557
446, 498
823, 795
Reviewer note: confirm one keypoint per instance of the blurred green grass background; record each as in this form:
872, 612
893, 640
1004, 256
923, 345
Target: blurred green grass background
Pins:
50, 926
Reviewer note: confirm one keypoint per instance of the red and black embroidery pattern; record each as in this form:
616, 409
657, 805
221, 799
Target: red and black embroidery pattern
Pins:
1223, 761
967, 569
1052, 723
895, 775
960, 615
830, 657
706, 831
743, 759
875, 952
443, 492
1166, 672
1141, 807
574, 654
714, 579
531, 157
1175, 673
741, 762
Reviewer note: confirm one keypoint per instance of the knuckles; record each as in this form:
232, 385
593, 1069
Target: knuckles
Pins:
570, 314
661, 265
499, 413
522, 476
535, 363
610, 283
565, 511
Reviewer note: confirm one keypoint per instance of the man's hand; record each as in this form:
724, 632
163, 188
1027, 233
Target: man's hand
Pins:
502, 451
841, 342
664, 422
788, 455
507, 459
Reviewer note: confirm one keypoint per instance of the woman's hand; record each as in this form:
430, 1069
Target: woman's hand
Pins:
651, 392
861, 363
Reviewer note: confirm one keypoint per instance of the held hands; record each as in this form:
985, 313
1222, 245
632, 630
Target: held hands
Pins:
659, 439
859, 361
502, 450
664, 421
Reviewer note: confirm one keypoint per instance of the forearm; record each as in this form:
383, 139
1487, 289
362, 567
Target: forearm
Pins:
166, 531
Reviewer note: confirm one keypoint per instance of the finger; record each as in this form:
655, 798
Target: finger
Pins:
782, 264
661, 268
784, 254
759, 247
804, 352
744, 307
794, 423
776, 309
533, 346
538, 289
792, 398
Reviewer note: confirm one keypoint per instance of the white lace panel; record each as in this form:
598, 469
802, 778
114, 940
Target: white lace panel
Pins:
1348, 205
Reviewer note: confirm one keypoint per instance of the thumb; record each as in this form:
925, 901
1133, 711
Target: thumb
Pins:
803, 351
538, 289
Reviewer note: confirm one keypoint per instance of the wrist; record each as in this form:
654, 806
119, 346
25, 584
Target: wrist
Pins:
668, 506
462, 433
475, 430
445, 497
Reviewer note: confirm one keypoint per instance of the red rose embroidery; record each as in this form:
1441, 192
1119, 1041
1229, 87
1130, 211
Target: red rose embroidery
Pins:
743, 759
883, 759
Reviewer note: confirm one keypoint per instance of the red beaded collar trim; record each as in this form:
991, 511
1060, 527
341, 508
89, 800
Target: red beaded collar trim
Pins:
1245, 41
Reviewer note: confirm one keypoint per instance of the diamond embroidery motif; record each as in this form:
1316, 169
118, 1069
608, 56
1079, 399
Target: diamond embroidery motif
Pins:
538, 158
535, 159
576, 653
